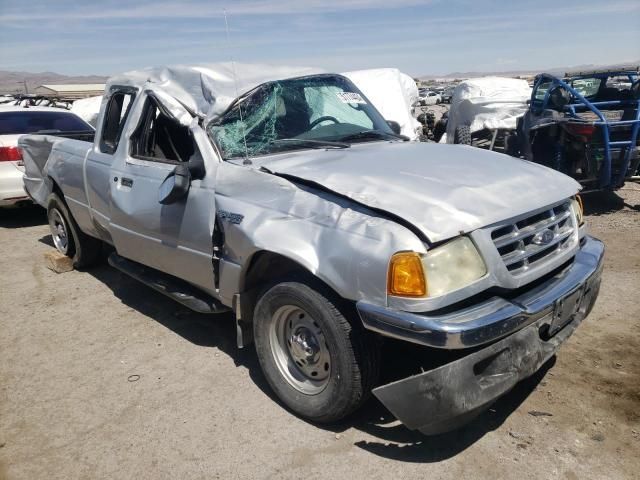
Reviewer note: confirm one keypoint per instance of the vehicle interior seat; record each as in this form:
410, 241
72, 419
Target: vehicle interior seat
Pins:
173, 141
292, 115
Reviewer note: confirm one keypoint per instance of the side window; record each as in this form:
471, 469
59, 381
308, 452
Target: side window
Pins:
587, 87
115, 117
160, 138
542, 90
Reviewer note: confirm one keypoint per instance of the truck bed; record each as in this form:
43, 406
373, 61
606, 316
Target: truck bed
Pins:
36, 153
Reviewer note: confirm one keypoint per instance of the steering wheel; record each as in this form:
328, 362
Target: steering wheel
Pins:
323, 119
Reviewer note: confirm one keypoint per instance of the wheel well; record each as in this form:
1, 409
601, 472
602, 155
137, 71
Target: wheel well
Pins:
268, 266
55, 188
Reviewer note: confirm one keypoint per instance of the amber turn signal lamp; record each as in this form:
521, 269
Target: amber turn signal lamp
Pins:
406, 276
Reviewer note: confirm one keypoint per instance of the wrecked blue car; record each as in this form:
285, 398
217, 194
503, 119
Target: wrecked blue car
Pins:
585, 125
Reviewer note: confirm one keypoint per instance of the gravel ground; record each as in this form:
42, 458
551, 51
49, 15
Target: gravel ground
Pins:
100, 377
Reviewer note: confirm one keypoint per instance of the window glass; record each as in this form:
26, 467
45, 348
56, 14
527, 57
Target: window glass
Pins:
114, 119
587, 87
541, 91
26, 121
292, 114
323, 101
621, 82
159, 137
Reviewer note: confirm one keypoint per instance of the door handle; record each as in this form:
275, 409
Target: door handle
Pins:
126, 182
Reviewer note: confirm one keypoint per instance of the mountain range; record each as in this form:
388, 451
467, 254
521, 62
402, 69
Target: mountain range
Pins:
14, 82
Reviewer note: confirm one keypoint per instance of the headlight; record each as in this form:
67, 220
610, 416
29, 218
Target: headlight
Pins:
452, 266
449, 267
578, 209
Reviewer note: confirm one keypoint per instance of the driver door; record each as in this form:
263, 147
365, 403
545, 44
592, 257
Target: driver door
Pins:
174, 238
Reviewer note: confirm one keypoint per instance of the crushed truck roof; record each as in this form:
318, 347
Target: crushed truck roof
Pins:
207, 89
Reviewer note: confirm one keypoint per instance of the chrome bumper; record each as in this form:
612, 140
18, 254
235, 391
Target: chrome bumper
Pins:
446, 397
490, 320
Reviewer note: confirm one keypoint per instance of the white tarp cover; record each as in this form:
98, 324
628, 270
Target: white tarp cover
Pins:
487, 102
392, 92
87, 109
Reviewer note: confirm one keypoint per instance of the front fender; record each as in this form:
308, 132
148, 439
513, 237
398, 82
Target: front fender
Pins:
343, 244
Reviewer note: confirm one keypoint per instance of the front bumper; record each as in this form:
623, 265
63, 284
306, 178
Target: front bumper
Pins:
490, 320
525, 331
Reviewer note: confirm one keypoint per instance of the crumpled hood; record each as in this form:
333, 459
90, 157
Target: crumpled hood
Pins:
441, 189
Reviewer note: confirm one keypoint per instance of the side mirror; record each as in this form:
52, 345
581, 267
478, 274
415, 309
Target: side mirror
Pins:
175, 186
395, 126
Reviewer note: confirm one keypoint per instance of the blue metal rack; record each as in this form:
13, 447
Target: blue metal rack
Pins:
573, 111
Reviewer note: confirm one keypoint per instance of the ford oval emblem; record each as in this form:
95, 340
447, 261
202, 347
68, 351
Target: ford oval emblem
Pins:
545, 237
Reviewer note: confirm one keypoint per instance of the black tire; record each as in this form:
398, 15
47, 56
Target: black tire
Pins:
512, 144
462, 135
440, 129
83, 249
352, 351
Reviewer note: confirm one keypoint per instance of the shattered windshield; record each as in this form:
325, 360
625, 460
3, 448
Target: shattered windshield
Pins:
321, 111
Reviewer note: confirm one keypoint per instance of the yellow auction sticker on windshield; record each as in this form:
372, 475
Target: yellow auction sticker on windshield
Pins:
351, 97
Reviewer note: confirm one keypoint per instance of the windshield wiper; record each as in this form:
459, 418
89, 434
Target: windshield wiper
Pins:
308, 142
375, 134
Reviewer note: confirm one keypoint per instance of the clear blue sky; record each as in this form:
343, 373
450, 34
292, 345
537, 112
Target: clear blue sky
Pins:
419, 37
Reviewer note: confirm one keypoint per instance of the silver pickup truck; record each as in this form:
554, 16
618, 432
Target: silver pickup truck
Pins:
286, 198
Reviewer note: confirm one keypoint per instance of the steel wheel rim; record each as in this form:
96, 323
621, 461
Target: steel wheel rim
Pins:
59, 230
300, 349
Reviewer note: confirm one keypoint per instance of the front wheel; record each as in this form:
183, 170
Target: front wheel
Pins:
318, 360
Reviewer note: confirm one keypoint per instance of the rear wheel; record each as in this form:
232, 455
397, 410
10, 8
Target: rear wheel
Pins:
321, 363
67, 236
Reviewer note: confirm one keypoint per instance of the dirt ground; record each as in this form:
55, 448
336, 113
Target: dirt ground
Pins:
102, 378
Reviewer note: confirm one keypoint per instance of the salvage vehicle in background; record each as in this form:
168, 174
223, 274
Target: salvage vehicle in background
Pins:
32, 100
427, 97
586, 125
484, 113
17, 121
297, 207
447, 94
